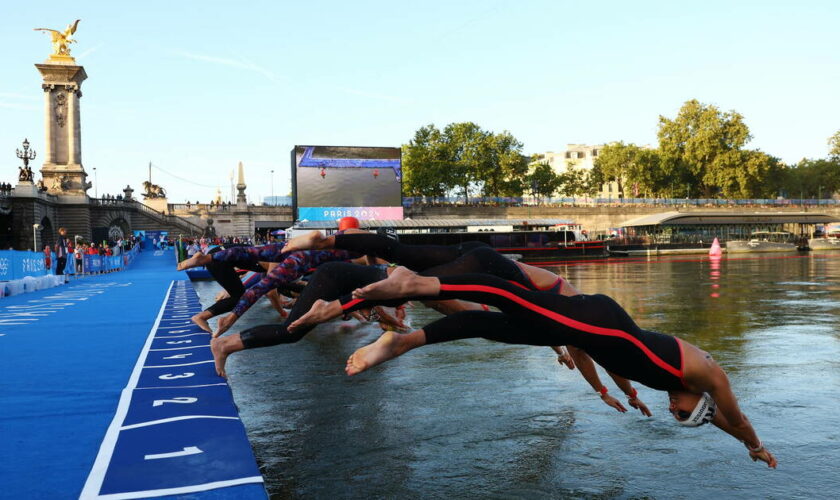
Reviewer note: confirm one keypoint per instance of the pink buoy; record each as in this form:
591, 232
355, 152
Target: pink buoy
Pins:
715, 251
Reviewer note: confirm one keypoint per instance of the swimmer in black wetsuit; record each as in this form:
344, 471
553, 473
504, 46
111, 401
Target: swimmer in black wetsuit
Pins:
486, 260
415, 257
697, 387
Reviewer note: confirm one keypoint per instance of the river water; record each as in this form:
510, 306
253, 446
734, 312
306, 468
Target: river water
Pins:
474, 419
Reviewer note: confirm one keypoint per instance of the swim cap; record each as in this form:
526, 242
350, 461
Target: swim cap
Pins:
388, 232
348, 223
703, 413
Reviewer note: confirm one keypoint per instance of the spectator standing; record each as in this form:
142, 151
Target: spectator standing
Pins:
61, 251
47, 257
78, 256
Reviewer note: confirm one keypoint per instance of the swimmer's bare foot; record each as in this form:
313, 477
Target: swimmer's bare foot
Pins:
219, 356
320, 312
401, 283
306, 241
388, 346
200, 320
199, 259
222, 348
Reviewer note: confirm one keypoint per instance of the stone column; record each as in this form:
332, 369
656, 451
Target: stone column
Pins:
62, 170
48, 152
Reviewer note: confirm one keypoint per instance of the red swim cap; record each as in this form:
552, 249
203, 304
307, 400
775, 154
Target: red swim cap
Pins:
348, 223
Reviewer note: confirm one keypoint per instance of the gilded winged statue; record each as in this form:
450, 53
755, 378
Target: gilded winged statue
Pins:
60, 40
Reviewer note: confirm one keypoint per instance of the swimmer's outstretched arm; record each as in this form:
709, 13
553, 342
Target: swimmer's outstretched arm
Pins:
314, 240
702, 374
587, 369
563, 356
631, 393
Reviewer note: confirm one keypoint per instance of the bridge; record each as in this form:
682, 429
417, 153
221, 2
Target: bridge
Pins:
91, 218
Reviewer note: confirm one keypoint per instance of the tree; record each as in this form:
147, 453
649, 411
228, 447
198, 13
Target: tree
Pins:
814, 178
505, 170
698, 146
834, 145
635, 169
465, 148
463, 158
574, 181
424, 164
543, 182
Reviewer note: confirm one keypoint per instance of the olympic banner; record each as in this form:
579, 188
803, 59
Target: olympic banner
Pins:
17, 264
330, 182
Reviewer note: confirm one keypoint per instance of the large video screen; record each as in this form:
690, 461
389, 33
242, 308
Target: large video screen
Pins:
331, 182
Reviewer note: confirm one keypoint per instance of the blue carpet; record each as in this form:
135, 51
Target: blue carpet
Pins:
67, 355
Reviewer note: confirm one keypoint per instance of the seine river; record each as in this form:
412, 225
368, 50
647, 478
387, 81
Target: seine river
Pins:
474, 419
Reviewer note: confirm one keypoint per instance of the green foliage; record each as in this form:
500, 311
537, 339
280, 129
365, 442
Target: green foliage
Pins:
813, 178
701, 154
543, 182
637, 170
463, 158
574, 181
834, 145
700, 146
424, 164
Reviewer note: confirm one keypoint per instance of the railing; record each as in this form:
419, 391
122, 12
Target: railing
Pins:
170, 219
221, 207
409, 202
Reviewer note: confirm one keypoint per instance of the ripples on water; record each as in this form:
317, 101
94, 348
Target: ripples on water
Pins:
473, 419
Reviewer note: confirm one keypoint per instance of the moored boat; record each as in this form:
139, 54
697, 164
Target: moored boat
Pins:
830, 240
765, 241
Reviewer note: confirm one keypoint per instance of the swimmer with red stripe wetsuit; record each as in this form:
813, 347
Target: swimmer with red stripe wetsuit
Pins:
471, 257
698, 388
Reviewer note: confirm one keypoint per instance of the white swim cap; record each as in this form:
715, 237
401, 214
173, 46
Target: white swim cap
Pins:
703, 413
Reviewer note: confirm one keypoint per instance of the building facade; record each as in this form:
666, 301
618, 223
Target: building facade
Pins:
579, 157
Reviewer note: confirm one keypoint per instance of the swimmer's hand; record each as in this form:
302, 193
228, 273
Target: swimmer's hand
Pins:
566, 359
765, 456
225, 322
639, 405
611, 401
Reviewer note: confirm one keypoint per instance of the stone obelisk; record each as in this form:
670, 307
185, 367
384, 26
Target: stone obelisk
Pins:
242, 222
62, 170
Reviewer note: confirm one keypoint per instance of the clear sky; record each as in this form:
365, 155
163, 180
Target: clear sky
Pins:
195, 87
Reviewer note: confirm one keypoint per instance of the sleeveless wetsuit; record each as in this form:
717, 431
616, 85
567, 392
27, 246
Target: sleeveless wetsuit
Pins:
293, 267
594, 323
328, 282
482, 259
415, 257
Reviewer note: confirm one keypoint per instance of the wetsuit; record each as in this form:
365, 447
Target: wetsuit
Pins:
224, 272
247, 257
415, 257
329, 282
292, 268
337, 280
482, 259
594, 323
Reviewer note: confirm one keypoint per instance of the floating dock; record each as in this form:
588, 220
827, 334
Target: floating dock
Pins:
109, 391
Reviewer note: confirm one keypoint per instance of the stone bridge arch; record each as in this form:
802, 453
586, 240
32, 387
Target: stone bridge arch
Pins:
119, 228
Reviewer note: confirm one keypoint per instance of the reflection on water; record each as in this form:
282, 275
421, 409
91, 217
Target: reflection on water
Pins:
473, 419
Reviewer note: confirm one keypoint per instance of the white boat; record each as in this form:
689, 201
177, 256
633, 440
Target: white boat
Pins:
824, 243
831, 241
764, 241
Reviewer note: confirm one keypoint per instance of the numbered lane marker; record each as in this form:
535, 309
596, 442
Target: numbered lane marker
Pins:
179, 400
172, 376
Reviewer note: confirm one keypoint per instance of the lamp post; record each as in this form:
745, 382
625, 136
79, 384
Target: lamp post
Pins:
35, 228
819, 195
272, 187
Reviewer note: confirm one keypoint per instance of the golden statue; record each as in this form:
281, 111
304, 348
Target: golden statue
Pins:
61, 40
